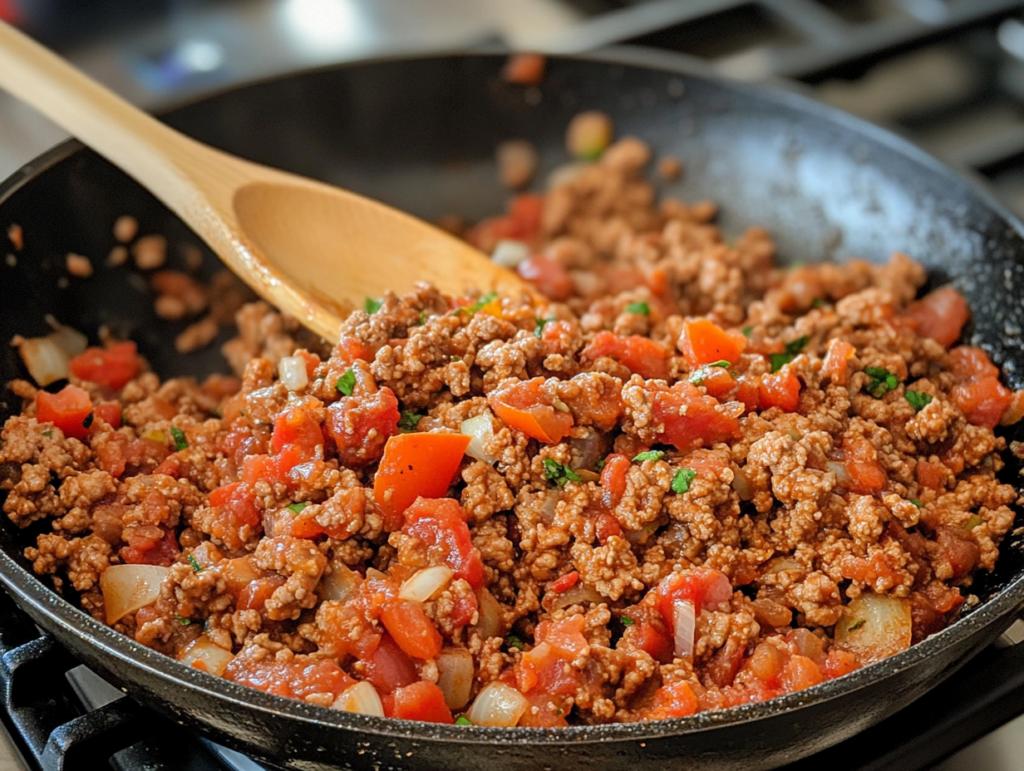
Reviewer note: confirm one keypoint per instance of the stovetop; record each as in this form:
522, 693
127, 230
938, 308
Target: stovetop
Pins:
948, 74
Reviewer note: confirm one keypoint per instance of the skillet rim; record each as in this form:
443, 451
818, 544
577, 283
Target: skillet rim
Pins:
26, 588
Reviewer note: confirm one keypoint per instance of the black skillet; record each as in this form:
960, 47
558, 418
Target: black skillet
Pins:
421, 134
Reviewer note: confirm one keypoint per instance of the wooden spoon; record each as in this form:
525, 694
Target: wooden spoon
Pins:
314, 251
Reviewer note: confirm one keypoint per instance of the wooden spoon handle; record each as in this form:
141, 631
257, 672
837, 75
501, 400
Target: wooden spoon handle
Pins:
127, 137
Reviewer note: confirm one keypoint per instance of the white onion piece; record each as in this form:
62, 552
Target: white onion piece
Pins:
292, 371
126, 588
47, 358
341, 584
574, 595
489, 614
839, 469
782, 563
741, 485
509, 253
424, 584
203, 653
482, 430
362, 698
497, 705
684, 622
455, 676
564, 174
875, 626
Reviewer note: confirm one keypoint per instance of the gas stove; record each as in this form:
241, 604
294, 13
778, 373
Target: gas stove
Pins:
948, 74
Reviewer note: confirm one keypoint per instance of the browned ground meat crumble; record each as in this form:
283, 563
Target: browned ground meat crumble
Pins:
584, 548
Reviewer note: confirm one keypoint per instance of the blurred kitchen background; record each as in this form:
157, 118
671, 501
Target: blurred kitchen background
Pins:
948, 74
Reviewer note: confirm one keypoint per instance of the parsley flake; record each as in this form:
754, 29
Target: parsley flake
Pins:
857, 624
882, 381
538, 329
972, 523
627, 621
346, 383
196, 567
916, 502
48, 434
408, 422
183, 621
918, 399
372, 306
180, 442
747, 330
559, 473
681, 481
514, 642
702, 372
463, 720
487, 298
793, 347
817, 302
599, 466
423, 318
641, 308
295, 508
649, 455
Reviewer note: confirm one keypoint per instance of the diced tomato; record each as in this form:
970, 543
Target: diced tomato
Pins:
983, 401
837, 362
565, 636
799, 673
704, 587
159, 549
524, 406
930, 475
411, 628
526, 210
109, 413
544, 711
607, 527
640, 354
780, 389
238, 509
692, 419
866, 475
940, 315
968, 362
351, 349
959, 549
748, 392
255, 595
613, 479
548, 275
524, 69
421, 701
717, 381
522, 223
674, 700
295, 677
68, 410
112, 366
389, 667
361, 425
838, 663
415, 466
298, 428
648, 637
702, 342
441, 523
563, 583
545, 669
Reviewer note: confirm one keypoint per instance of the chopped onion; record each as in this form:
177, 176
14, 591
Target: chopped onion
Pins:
497, 705
780, 564
875, 626
424, 584
342, 582
455, 676
838, 468
509, 253
362, 698
741, 485
375, 575
482, 430
126, 588
489, 614
564, 174
203, 653
574, 595
549, 507
47, 357
684, 622
292, 371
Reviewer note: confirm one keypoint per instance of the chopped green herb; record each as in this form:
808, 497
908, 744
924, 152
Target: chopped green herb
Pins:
916, 502
408, 422
747, 330
817, 302
295, 508
698, 376
423, 318
454, 358
538, 328
487, 298
514, 642
372, 306
559, 473
649, 455
87, 423
48, 434
641, 307
180, 442
793, 347
972, 523
196, 567
857, 624
346, 383
600, 464
882, 381
463, 720
918, 399
681, 481
627, 621
560, 711
183, 621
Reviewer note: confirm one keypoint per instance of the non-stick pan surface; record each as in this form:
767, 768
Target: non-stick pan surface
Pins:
421, 134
